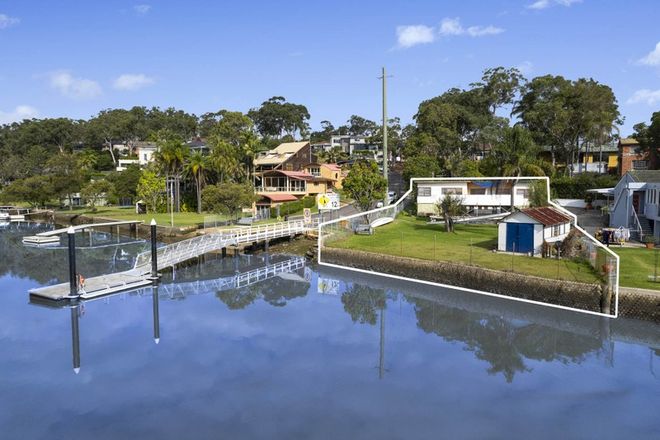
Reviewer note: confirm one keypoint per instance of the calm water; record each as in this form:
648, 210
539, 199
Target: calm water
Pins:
311, 353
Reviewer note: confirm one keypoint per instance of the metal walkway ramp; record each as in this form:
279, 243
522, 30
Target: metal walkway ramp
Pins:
169, 256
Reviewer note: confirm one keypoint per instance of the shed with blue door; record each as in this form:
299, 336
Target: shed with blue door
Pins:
525, 231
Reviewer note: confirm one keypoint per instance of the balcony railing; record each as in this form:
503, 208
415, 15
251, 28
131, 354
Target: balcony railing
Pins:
285, 189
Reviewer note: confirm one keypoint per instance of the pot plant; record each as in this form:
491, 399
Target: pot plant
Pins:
649, 240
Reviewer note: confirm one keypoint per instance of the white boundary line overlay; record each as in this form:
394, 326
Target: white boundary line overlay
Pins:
413, 180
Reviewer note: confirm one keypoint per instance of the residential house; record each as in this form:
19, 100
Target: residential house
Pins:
278, 186
632, 157
145, 155
602, 159
198, 145
526, 230
637, 203
330, 171
288, 156
478, 196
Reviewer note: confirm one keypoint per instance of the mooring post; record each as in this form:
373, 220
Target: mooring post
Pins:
224, 252
154, 253
75, 339
154, 293
73, 275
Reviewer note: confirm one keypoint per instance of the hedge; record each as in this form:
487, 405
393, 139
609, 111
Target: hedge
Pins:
289, 208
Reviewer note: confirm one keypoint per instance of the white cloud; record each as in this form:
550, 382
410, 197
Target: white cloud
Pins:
142, 9
480, 31
409, 36
543, 4
73, 87
7, 21
526, 67
653, 57
18, 114
453, 27
647, 96
131, 81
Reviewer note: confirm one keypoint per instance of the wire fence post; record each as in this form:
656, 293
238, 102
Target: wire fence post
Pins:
512, 254
402, 243
435, 237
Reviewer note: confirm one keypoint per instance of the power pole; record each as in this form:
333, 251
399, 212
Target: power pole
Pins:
384, 79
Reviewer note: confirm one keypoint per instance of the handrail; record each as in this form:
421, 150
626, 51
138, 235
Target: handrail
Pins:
174, 253
639, 225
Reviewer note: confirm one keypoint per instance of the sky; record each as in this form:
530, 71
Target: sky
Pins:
74, 58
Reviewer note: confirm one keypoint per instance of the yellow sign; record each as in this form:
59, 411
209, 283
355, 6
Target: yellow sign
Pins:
327, 201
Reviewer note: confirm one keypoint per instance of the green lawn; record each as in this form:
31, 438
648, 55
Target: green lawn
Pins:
181, 219
470, 244
636, 264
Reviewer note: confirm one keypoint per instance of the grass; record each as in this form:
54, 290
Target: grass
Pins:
636, 264
470, 244
181, 219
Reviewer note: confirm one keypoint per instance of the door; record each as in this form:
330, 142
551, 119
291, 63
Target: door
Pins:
635, 202
520, 237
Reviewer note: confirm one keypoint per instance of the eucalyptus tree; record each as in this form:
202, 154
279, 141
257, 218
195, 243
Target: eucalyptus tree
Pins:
276, 117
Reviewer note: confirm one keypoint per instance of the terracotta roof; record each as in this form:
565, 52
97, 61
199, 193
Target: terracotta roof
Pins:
280, 197
332, 166
547, 216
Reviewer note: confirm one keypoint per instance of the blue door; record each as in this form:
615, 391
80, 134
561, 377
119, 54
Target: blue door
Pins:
519, 237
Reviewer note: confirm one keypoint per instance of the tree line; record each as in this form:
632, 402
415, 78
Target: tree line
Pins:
505, 119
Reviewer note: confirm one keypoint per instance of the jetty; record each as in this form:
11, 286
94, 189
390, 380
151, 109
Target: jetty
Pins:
168, 257
50, 237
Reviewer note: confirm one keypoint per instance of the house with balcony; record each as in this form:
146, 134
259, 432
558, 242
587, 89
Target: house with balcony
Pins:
278, 186
330, 171
602, 159
480, 197
288, 156
637, 203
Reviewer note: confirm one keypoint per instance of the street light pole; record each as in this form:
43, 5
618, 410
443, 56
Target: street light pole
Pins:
384, 79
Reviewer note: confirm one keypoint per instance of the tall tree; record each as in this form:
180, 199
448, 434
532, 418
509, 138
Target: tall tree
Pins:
648, 136
197, 166
276, 117
365, 184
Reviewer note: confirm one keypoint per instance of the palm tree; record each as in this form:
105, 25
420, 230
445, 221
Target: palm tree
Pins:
196, 166
517, 156
251, 146
450, 206
87, 159
170, 158
225, 161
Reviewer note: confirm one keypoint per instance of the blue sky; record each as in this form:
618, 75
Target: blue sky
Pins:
73, 58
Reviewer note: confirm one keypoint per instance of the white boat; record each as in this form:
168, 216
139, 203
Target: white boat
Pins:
4, 216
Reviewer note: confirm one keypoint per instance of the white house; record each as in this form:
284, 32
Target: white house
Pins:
637, 203
525, 231
478, 196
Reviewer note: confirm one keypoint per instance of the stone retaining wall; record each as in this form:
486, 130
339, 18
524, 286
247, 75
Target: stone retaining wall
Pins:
570, 294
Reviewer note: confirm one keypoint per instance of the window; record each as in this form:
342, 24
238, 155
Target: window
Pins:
145, 157
640, 164
453, 191
288, 167
523, 192
424, 191
477, 191
315, 171
555, 230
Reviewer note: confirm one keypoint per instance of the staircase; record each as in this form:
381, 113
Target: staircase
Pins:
647, 229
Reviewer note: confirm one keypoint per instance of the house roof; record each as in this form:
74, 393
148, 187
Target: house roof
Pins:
298, 175
628, 141
332, 166
546, 215
645, 175
280, 197
280, 154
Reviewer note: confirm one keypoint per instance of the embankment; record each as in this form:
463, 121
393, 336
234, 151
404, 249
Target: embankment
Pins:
582, 296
